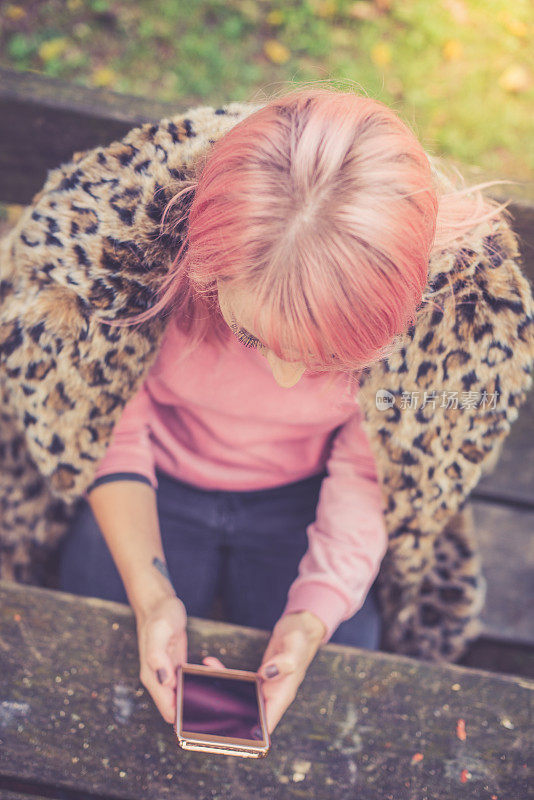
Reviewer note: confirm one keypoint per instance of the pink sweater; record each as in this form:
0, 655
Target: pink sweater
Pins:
218, 420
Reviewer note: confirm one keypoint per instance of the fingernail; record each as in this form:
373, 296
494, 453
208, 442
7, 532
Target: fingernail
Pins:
162, 675
271, 671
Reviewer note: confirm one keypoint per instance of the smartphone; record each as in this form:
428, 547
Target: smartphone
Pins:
220, 711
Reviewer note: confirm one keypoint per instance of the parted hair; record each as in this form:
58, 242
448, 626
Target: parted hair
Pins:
325, 208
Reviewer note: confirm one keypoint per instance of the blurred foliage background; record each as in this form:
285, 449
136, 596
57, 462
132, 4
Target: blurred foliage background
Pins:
460, 72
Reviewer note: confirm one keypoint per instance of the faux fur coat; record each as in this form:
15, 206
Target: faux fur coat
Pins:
88, 243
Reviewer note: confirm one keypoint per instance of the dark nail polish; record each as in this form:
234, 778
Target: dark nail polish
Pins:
162, 675
271, 671
256, 733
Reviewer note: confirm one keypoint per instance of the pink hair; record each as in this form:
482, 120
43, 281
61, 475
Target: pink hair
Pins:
326, 209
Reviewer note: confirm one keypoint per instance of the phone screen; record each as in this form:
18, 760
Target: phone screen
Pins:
220, 706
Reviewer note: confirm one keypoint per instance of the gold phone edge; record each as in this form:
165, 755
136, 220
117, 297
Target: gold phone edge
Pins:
188, 744
226, 751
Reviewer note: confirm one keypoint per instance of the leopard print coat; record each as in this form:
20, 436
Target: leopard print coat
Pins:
89, 244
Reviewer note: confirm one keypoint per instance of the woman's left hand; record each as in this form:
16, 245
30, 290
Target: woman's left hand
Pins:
293, 644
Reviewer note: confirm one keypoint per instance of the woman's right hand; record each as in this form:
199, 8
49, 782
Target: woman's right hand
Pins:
162, 639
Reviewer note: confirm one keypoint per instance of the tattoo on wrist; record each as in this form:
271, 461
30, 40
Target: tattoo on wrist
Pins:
161, 567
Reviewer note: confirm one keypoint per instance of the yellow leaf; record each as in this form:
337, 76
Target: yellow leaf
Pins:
275, 17
53, 48
515, 26
15, 13
74, 5
452, 50
381, 54
276, 51
103, 76
514, 79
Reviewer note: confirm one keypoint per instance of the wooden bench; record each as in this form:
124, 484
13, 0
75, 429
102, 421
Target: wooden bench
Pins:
75, 721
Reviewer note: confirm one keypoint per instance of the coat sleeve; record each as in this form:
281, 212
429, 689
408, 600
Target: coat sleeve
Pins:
348, 539
89, 245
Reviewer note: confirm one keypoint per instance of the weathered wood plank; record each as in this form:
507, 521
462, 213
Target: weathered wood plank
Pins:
65, 96
509, 658
73, 715
513, 478
30, 795
43, 121
521, 194
5, 795
523, 225
507, 551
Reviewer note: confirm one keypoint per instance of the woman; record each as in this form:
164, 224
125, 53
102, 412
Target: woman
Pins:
308, 239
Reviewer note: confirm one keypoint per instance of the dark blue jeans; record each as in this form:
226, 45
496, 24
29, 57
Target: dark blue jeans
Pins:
241, 546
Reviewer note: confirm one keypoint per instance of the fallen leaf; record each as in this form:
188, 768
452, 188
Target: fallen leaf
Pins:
103, 76
452, 50
514, 26
276, 51
514, 79
275, 17
381, 54
14, 13
53, 48
460, 730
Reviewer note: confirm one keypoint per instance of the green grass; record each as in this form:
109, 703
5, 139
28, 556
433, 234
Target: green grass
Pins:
458, 71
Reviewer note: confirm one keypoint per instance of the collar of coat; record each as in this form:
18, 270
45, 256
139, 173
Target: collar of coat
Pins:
89, 242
